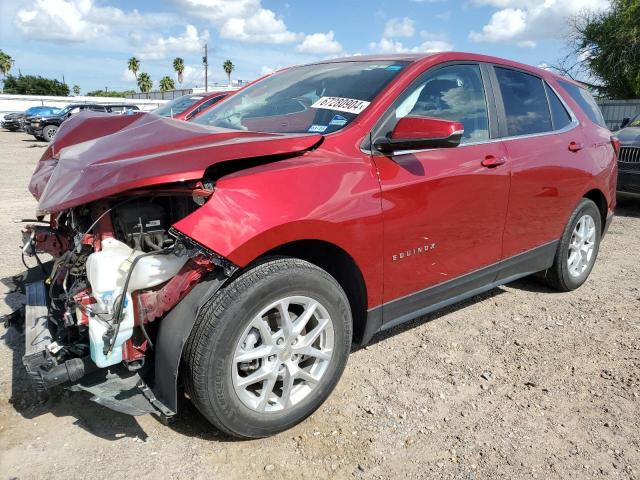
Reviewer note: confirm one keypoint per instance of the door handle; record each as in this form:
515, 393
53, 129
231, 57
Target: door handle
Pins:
575, 147
492, 162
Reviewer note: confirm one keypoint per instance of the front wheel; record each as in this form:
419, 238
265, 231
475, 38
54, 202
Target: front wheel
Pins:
269, 348
49, 132
578, 248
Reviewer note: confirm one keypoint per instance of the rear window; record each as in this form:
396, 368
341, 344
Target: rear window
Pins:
586, 102
525, 102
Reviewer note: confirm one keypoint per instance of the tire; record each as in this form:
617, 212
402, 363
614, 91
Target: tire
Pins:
49, 132
226, 325
561, 276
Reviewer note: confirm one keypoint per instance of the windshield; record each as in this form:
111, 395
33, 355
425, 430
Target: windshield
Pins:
65, 110
177, 106
320, 98
635, 121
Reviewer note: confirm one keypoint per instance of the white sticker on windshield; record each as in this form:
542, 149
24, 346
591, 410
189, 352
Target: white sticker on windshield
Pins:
349, 105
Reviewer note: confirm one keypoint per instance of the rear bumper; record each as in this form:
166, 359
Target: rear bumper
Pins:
629, 181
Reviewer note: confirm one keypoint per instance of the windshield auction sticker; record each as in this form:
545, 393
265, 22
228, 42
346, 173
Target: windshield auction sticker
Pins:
349, 105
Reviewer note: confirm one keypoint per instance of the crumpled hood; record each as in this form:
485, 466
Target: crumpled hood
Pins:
141, 150
629, 136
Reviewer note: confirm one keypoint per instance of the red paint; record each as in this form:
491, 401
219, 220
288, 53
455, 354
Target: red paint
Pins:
411, 127
453, 210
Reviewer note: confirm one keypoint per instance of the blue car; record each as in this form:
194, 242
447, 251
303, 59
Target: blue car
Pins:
15, 121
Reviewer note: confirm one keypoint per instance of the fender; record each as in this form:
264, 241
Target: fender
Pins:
173, 333
253, 211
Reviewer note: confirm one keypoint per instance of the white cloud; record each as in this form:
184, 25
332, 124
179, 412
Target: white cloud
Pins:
266, 70
386, 45
261, 27
320, 44
60, 20
159, 47
77, 21
528, 21
399, 27
241, 20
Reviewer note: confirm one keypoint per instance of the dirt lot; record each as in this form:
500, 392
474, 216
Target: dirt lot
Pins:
520, 382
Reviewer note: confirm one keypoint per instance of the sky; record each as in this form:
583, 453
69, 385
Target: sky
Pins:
88, 42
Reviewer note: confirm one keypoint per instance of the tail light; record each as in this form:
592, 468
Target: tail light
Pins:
615, 142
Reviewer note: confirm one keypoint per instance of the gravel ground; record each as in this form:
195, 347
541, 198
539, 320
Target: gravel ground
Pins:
520, 382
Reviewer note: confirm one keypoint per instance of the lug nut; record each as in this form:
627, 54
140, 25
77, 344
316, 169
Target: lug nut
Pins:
280, 341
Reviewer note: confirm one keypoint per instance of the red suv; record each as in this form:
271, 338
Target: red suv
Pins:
238, 257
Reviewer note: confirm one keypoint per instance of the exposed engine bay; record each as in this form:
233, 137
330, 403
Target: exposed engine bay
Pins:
117, 266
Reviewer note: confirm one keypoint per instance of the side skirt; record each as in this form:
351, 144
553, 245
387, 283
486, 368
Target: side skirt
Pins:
414, 305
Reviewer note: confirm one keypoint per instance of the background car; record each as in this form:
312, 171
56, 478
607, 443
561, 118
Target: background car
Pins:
15, 121
629, 156
45, 127
188, 107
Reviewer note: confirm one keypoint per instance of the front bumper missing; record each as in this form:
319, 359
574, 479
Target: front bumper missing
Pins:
115, 388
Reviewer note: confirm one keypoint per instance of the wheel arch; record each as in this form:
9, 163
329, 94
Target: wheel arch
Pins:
339, 264
597, 196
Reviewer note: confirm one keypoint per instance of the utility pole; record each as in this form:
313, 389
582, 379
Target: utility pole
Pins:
205, 60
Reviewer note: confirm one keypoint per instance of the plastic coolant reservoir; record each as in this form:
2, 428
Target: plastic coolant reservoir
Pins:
107, 272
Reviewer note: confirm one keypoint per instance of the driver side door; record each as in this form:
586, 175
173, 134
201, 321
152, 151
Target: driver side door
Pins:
444, 209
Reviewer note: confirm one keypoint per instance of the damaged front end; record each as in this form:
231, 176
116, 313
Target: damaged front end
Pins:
117, 268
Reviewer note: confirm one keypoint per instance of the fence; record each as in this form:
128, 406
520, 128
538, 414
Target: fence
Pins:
614, 111
19, 103
171, 94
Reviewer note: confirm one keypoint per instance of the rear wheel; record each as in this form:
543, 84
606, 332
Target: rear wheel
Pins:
269, 348
49, 132
578, 248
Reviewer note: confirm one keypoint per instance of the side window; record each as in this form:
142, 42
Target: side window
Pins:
525, 102
451, 93
559, 115
586, 102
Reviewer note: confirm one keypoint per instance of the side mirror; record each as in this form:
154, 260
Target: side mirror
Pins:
414, 133
625, 122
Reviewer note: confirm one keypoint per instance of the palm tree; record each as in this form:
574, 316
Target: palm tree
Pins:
166, 84
76, 89
145, 84
134, 66
6, 62
228, 67
178, 66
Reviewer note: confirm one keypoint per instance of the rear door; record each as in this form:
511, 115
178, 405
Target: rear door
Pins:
443, 210
546, 153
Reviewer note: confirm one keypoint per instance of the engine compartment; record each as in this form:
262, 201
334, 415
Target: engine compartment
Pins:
116, 267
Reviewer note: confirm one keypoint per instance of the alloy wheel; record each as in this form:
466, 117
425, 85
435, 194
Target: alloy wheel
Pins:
581, 246
283, 354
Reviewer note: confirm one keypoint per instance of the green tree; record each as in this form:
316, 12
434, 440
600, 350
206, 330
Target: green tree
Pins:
166, 84
76, 89
178, 66
145, 84
111, 93
6, 62
228, 67
606, 45
133, 64
35, 85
